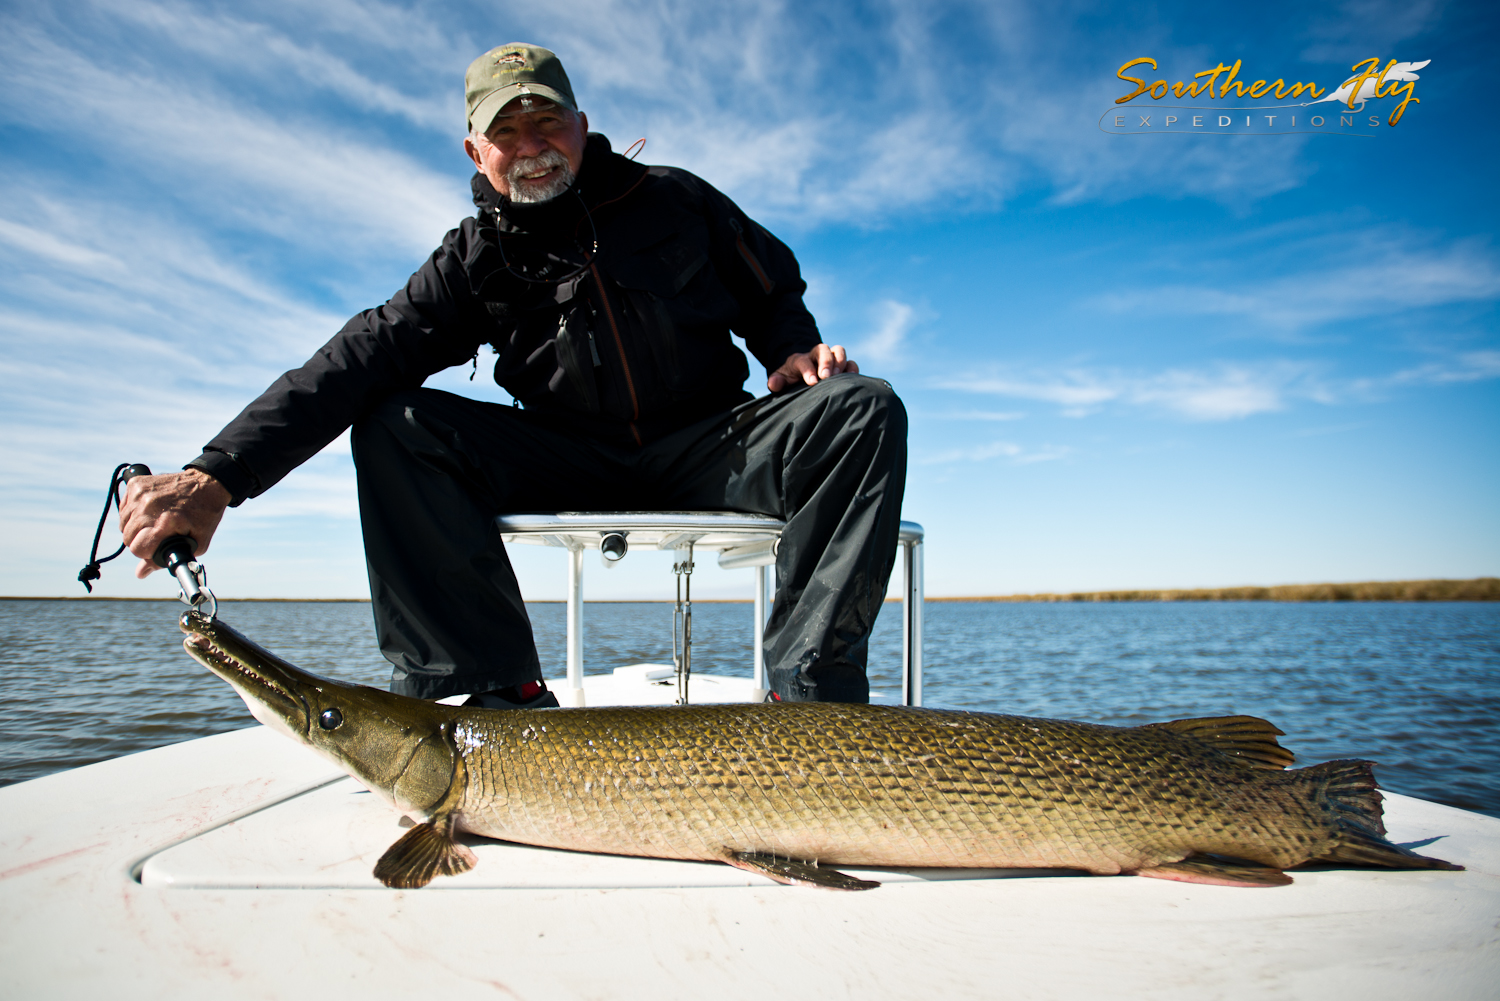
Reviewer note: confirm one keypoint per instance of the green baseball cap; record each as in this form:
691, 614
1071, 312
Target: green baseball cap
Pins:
510, 71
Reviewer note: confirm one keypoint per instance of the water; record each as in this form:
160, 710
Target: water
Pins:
1415, 687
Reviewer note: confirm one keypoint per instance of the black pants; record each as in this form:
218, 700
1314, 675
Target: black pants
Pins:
435, 469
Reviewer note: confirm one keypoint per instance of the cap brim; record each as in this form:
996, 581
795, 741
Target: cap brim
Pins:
493, 104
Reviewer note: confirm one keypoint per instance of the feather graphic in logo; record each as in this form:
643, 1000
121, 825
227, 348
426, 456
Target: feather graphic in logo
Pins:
1364, 87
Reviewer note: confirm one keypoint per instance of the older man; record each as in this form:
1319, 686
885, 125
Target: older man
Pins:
609, 291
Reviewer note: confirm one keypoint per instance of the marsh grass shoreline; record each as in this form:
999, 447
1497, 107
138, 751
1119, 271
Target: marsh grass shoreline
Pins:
1478, 589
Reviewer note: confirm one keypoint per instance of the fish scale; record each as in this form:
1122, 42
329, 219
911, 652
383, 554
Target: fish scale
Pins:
542, 777
781, 789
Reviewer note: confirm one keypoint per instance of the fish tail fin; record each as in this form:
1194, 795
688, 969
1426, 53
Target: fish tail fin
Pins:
1349, 791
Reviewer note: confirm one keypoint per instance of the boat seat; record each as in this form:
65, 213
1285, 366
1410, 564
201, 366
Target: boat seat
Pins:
740, 539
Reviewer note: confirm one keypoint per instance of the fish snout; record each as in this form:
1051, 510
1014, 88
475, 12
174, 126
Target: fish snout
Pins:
268, 685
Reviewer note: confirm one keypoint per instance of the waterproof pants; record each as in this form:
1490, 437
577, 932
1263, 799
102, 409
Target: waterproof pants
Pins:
435, 469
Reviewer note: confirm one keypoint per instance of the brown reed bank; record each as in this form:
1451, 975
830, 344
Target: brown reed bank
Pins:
1478, 589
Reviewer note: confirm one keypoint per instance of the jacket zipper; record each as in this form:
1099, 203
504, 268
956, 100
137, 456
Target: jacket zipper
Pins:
635, 404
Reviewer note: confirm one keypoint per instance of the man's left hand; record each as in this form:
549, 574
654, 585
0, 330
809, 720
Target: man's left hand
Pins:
819, 363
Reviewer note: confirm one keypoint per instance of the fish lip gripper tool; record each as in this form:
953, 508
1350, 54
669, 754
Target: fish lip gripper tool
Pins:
176, 556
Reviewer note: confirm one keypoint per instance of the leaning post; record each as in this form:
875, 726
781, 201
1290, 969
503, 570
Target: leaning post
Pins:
574, 694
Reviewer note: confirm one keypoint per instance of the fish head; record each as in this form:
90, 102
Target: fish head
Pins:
396, 746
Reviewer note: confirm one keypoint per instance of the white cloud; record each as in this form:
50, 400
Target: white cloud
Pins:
1076, 390
893, 320
1323, 278
1318, 432
1358, 29
296, 181
125, 338
39, 243
1229, 393
1468, 366
1222, 392
129, 280
845, 114
273, 56
978, 415
994, 450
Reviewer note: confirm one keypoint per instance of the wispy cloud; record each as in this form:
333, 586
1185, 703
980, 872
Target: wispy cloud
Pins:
1468, 366
1222, 392
1219, 392
1017, 454
143, 279
1357, 29
1230, 392
729, 92
893, 320
274, 57
236, 161
1318, 432
977, 415
1076, 390
122, 335
1302, 281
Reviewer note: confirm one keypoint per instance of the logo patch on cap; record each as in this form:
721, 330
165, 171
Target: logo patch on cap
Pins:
516, 58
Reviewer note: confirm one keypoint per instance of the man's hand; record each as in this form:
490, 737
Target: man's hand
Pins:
158, 507
819, 363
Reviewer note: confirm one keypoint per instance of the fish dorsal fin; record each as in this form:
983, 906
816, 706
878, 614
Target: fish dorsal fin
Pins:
1249, 740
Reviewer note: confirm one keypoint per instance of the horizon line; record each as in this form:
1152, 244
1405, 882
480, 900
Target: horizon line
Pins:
1484, 588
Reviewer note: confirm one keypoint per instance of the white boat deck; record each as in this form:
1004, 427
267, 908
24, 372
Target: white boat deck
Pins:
238, 866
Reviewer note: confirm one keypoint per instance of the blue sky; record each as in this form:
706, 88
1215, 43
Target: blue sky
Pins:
1130, 361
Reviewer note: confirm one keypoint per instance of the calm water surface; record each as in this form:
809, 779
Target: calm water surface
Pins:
1415, 687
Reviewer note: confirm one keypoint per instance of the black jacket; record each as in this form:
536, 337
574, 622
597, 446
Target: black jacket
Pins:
610, 309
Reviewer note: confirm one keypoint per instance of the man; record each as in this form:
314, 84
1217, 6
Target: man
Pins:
608, 290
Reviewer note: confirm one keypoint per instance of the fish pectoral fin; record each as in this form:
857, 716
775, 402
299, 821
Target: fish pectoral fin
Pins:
1217, 871
425, 851
796, 873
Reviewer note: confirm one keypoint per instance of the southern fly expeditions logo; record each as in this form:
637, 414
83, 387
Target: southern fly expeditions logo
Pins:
1340, 110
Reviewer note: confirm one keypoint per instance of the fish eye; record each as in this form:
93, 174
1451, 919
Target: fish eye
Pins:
330, 719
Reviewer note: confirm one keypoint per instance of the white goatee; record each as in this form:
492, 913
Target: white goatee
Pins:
523, 192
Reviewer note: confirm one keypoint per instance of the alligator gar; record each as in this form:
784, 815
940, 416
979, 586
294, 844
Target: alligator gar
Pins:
788, 790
